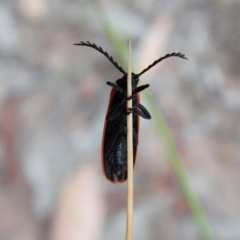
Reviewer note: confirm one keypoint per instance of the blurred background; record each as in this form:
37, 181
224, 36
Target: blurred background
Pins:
53, 101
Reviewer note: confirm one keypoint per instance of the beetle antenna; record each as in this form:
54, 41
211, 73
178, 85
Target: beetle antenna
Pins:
93, 45
160, 59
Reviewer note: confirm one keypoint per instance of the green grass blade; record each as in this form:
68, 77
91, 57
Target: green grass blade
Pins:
195, 206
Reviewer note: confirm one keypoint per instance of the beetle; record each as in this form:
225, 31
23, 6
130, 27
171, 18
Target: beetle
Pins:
114, 140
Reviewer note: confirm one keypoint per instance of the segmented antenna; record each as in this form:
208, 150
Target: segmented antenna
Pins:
93, 45
160, 59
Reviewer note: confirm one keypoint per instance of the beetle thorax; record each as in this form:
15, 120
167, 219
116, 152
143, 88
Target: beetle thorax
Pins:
122, 82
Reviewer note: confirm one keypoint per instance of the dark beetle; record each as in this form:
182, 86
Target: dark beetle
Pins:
114, 142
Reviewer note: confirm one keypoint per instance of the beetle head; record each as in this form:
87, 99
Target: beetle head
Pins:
123, 81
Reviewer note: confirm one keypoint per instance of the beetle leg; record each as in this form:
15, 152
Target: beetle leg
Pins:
141, 88
129, 110
115, 86
138, 89
143, 112
131, 97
